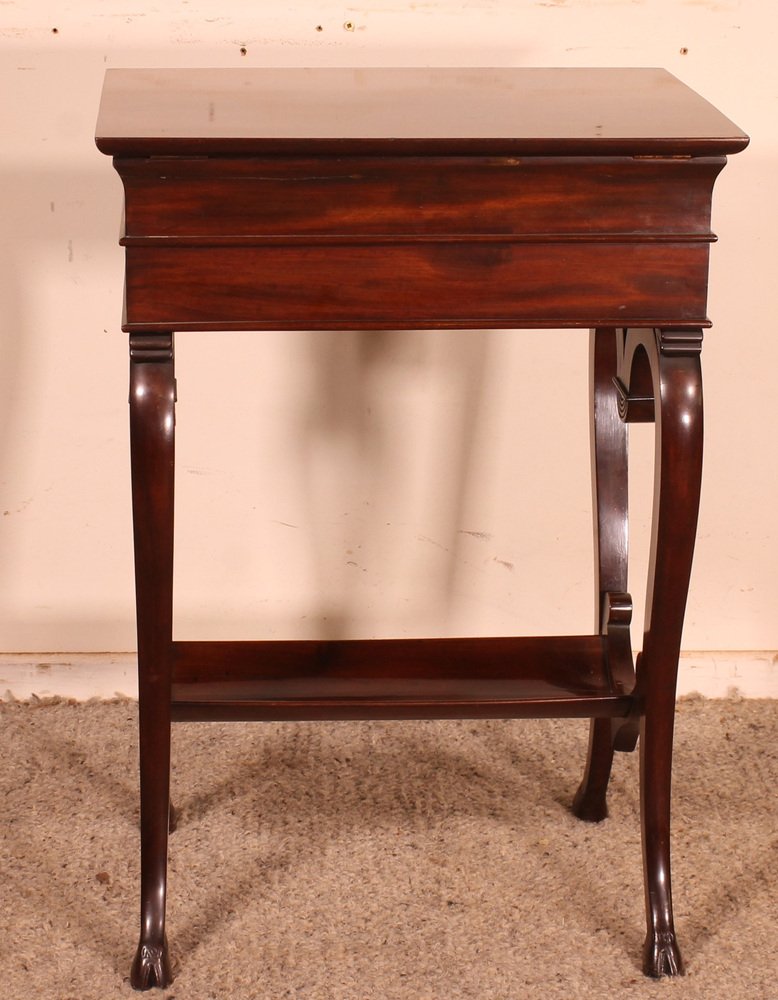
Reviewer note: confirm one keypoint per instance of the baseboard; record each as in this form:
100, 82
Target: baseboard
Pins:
713, 674
68, 675
750, 673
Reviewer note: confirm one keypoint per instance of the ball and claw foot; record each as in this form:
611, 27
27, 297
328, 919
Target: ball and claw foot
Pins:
151, 967
588, 807
661, 955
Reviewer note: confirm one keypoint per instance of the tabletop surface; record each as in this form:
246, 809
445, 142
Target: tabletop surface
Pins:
408, 111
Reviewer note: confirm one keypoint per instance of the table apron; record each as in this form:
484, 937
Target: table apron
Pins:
419, 285
254, 198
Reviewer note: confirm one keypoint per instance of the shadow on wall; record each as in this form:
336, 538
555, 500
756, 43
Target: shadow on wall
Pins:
380, 440
336, 467
396, 413
386, 450
385, 432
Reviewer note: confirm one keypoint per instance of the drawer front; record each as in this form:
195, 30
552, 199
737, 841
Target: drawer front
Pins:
251, 199
416, 285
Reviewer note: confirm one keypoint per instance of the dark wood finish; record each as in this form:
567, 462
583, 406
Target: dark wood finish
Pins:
611, 533
272, 200
673, 359
541, 216
415, 285
439, 112
152, 441
556, 677
361, 199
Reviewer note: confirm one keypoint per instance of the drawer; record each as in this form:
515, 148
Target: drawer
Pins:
404, 285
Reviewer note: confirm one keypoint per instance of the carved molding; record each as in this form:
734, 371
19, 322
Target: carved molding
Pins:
633, 408
677, 341
616, 611
145, 347
616, 619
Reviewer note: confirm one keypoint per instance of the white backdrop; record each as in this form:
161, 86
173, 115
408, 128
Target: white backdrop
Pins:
356, 484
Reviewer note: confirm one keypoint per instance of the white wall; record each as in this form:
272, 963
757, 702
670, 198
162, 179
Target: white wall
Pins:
355, 484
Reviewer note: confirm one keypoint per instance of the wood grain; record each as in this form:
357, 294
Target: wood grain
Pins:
361, 199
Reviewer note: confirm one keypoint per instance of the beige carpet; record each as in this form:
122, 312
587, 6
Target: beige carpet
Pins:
403, 861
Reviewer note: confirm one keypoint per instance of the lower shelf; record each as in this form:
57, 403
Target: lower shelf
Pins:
553, 677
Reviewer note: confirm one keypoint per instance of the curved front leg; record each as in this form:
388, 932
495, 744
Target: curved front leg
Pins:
609, 495
152, 436
674, 360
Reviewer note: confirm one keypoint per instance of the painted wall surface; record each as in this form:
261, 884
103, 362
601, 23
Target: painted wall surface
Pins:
356, 484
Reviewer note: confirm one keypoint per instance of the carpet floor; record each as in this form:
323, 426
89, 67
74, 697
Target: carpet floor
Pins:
400, 861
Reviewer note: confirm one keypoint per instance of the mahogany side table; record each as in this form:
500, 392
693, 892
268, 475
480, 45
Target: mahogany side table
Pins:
420, 199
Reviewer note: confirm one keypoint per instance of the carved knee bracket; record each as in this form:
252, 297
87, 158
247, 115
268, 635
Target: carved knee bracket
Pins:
616, 620
634, 383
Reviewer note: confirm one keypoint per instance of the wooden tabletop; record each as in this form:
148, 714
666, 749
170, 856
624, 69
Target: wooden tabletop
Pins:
408, 111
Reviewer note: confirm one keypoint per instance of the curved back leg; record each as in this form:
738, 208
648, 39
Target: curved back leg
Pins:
609, 494
152, 417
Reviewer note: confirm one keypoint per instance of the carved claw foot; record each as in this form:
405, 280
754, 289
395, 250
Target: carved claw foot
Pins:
661, 955
593, 808
151, 967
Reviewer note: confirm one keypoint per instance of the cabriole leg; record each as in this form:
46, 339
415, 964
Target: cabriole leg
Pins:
674, 359
152, 415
